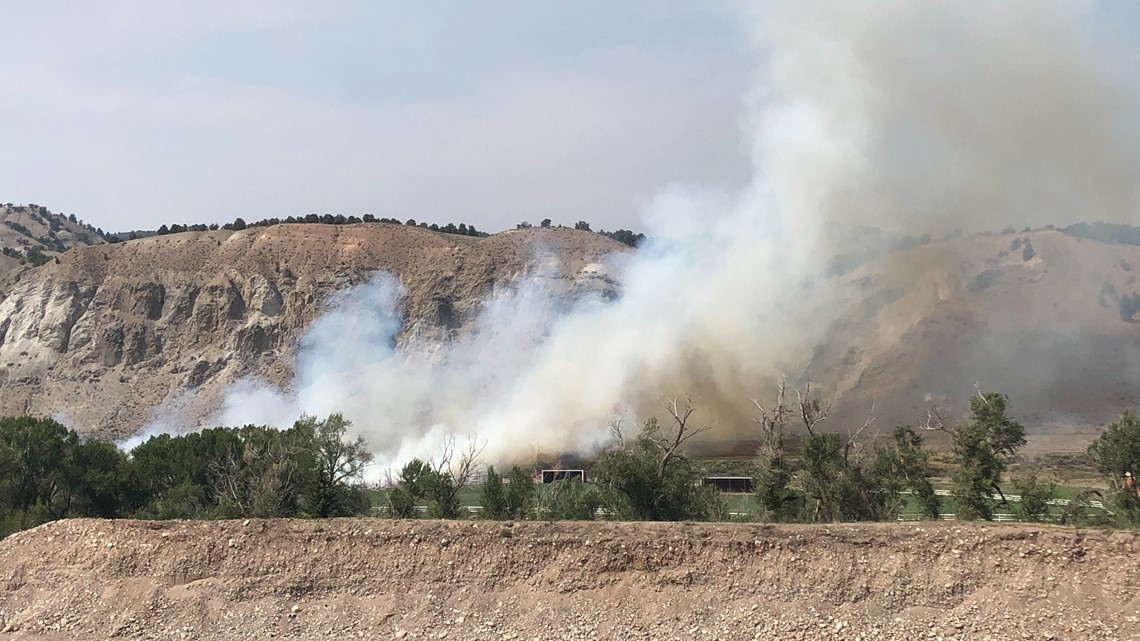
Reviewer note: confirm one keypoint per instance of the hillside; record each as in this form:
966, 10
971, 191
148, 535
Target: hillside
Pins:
30, 234
380, 579
1043, 325
108, 334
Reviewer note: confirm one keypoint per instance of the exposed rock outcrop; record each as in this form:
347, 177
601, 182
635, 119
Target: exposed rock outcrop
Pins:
111, 333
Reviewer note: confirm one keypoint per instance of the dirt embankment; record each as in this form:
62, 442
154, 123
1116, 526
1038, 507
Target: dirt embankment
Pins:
374, 579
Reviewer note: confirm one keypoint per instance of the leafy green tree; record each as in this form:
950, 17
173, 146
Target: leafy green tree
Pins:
100, 480
836, 489
1116, 453
1035, 497
335, 468
264, 476
411, 488
48, 472
778, 502
520, 493
983, 448
774, 470
652, 479
35, 477
903, 465
568, 500
443, 496
172, 475
493, 497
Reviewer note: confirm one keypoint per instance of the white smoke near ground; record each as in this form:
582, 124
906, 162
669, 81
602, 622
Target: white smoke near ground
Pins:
153, 428
913, 117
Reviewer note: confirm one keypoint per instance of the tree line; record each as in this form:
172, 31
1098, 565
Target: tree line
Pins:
623, 236
315, 470
462, 229
49, 472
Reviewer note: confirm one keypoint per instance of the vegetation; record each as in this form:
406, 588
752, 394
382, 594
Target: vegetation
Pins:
836, 478
1129, 305
54, 222
1116, 455
624, 236
651, 479
315, 470
50, 472
1105, 233
239, 224
983, 448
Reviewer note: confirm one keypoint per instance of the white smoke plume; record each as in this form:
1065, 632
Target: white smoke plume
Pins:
914, 117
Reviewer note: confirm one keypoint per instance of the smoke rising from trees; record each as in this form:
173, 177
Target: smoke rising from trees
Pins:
902, 116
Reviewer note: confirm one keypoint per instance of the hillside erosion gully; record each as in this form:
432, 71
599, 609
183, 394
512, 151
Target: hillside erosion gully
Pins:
375, 578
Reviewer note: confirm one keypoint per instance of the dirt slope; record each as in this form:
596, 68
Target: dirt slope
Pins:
25, 228
110, 333
1045, 329
379, 579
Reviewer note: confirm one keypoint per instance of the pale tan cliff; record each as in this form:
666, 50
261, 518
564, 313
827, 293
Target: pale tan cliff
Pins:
109, 333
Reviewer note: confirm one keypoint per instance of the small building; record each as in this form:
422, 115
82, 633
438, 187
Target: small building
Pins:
730, 484
550, 476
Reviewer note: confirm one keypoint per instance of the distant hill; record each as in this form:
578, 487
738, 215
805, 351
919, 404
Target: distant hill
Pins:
30, 235
105, 334
1048, 317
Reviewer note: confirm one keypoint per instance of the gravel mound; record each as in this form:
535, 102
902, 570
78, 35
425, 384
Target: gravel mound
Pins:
379, 579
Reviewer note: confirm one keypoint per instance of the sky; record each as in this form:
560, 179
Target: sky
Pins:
133, 113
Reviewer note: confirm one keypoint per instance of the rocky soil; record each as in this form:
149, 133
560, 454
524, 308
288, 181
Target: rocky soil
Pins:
379, 579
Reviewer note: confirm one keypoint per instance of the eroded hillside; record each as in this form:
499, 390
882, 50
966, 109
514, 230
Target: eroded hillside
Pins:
109, 334
380, 579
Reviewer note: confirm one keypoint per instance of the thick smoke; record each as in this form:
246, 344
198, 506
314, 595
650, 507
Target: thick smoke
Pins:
911, 117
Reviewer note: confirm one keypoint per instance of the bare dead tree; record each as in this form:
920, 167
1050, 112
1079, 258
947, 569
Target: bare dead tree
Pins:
616, 432
937, 415
981, 395
459, 463
853, 443
261, 481
773, 420
669, 440
812, 411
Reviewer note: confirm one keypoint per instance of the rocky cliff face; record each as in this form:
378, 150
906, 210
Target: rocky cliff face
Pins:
110, 333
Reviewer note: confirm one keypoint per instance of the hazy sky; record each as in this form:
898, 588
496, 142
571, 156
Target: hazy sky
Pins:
131, 114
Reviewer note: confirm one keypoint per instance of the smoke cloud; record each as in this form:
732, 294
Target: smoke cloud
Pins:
909, 117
